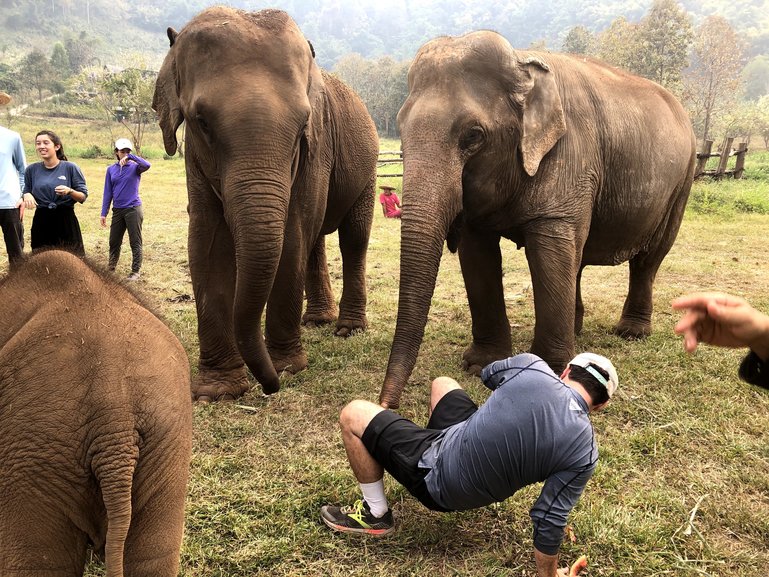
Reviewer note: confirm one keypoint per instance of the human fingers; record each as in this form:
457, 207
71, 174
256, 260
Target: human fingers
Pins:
702, 300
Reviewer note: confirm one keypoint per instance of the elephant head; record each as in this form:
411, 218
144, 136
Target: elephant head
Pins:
246, 85
472, 103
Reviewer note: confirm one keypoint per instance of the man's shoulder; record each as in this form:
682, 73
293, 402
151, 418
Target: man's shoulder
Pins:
9, 134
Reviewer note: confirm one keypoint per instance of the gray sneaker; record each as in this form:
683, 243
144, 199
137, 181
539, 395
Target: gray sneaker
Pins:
133, 276
357, 519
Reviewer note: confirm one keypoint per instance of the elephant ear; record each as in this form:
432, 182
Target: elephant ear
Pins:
166, 98
543, 118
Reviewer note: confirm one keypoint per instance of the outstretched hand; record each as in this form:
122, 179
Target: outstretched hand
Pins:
723, 320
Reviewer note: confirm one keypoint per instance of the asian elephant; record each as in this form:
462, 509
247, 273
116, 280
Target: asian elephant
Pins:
578, 162
96, 425
278, 155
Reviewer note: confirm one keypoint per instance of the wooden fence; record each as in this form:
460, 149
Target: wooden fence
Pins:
389, 157
726, 152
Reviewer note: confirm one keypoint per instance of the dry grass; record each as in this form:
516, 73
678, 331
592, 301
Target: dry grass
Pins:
683, 432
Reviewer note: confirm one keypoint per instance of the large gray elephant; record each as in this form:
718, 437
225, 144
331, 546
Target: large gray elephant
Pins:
578, 162
278, 155
96, 425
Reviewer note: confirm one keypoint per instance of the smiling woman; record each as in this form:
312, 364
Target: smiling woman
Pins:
52, 187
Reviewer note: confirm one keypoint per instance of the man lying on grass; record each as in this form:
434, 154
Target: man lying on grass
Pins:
534, 427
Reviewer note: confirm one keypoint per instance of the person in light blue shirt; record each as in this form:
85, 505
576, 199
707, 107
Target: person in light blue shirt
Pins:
533, 428
12, 166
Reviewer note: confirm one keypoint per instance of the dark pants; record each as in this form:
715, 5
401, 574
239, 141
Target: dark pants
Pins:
129, 219
56, 227
13, 232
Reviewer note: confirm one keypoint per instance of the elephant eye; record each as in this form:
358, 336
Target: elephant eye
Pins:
472, 139
202, 123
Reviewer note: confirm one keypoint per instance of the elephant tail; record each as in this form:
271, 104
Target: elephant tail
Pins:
114, 470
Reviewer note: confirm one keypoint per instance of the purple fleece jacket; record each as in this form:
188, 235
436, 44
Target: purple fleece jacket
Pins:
121, 185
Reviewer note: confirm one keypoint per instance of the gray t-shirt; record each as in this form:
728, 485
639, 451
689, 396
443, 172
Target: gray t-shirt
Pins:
532, 428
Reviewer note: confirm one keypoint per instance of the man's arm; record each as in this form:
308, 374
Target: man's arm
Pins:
20, 162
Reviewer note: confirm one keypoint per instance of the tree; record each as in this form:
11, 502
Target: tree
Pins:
60, 61
125, 96
755, 77
579, 40
620, 44
35, 72
713, 81
80, 51
381, 84
665, 35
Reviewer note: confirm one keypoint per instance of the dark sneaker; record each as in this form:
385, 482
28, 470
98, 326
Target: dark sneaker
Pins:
357, 519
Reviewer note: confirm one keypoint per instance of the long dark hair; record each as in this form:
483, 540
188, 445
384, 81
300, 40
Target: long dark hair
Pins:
56, 140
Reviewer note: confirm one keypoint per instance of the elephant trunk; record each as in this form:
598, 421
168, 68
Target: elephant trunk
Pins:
256, 213
432, 199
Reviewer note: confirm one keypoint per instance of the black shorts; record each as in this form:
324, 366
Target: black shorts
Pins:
397, 443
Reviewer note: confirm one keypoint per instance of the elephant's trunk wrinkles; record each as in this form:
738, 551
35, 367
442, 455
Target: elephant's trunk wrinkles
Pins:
428, 212
257, 223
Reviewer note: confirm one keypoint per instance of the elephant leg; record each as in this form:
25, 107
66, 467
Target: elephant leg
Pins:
481, 261
579, 309
36, 538
221, 371
636, 319
553, 265
283, 319
321, 307
354, 232
155, 537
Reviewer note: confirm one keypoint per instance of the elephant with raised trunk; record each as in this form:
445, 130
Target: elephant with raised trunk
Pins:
96, 425
278, 155
578, 162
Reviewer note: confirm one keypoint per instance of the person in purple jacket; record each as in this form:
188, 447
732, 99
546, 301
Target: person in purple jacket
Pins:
121, 189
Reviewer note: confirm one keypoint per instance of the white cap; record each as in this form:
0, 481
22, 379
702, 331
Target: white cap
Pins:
122, 143
584, 360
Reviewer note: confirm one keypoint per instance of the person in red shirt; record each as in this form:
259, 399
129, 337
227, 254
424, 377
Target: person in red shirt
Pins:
391, 204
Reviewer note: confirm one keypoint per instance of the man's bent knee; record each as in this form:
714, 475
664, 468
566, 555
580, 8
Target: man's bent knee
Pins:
357, 414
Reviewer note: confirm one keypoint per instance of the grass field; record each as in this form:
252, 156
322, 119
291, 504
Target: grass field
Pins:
682, 487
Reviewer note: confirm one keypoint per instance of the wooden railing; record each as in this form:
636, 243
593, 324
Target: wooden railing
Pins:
726, 152
389, 157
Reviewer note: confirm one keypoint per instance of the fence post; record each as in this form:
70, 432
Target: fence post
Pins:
724, 156
702, 157
739, 166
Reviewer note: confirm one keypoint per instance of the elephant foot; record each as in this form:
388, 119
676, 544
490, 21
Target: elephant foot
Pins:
476, 357
348, 327
213, 386
318, 319
632, 331
290, 363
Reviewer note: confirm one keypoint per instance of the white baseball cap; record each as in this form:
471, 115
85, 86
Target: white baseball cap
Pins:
122, 143
585, 360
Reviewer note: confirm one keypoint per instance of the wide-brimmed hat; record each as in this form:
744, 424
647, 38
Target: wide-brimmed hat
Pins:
589, 361
5, 98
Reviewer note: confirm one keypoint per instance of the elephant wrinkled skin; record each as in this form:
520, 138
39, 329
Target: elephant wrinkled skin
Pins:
278, 155
578, 162
96, 423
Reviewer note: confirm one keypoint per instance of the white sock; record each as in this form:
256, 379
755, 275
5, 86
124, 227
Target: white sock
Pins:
374, 495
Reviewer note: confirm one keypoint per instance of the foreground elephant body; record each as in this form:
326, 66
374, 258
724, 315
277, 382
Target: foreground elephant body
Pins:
578, 162
279, 154
96, 425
